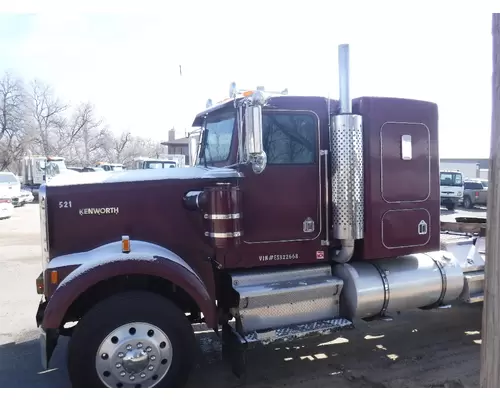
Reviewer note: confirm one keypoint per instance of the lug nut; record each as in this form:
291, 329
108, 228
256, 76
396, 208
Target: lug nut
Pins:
118, 365
121, 355
104, 356
152, 358
148, 349
132, 377
129, 347
143, 375
122, 373
150, 367
139, 345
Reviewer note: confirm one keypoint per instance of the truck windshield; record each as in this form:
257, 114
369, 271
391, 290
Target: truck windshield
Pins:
159, 164
451, 179
60, 164
218, 134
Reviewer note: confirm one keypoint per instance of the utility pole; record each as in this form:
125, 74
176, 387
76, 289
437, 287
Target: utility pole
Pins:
490, 345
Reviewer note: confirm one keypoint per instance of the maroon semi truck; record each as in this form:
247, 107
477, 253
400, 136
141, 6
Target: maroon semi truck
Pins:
302, 215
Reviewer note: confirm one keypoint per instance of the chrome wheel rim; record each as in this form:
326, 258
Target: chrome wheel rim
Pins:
137, 354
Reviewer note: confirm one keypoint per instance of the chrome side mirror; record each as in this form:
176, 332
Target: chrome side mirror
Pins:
193, 146
254, 141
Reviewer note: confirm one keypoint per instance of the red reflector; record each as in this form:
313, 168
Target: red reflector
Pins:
5, 201
40, 284
477, 194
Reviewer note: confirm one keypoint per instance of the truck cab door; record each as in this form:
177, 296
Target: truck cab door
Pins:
283, 203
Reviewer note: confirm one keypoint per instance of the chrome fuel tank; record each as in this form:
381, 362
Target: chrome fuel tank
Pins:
397, 284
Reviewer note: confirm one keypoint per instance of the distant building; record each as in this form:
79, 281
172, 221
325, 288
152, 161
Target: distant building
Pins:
470, 167
178, 146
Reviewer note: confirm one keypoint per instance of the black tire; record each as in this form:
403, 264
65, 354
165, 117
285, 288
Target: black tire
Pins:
124, 308
450, 207
467, 202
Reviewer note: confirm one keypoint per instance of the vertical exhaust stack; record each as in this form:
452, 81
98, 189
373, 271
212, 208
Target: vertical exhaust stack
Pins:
346, 146
344, 80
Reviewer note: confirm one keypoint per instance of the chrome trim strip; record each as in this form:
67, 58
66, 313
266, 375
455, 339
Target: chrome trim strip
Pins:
327, 199
224, 235
222, 216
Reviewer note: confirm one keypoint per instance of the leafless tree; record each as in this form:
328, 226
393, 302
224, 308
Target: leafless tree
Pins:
121, 145
35, 119
84, 136
13, 136
81, 127
48, 113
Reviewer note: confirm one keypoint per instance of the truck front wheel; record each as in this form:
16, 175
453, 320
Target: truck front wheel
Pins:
132, 339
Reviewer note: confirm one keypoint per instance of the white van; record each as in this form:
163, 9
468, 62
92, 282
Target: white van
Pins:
9, 184
452, 188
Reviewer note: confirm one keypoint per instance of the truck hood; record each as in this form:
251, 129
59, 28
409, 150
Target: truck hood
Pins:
139, 175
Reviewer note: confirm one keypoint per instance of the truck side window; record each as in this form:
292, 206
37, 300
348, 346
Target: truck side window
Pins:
219, 136
290, 137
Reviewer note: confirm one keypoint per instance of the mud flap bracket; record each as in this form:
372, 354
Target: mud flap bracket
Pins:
234, 350
48, 343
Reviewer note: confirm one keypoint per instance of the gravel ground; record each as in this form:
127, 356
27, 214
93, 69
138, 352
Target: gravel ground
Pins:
418, 349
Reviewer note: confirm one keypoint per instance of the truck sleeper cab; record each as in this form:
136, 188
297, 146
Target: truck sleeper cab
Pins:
301, 215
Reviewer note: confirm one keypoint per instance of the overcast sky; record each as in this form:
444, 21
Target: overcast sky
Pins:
128, 64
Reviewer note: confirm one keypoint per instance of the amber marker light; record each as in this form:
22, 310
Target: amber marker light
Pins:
54, 277
125, 244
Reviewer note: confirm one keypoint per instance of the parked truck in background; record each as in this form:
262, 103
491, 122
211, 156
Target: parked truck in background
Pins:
451, 188
172, 161
106, 166
36, 169
475, 193
302, 215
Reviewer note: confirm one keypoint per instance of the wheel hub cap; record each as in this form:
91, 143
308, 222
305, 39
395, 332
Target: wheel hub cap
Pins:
134, 355
135, 361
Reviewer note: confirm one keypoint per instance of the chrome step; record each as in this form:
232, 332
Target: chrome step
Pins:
472, 268
271, 299
298, 331
474, 276
476, 299
473, 287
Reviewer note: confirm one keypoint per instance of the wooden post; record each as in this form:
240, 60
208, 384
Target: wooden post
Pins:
490, 346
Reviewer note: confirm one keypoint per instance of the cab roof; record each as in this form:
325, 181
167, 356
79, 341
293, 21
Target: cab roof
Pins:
274, 100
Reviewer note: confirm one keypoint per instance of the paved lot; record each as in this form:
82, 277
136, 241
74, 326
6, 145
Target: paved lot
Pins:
420, 348
478, 212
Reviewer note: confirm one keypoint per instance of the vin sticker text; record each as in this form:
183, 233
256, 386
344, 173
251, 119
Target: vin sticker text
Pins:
279, 257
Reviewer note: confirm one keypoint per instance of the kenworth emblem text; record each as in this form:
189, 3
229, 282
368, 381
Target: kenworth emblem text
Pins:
99, 211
